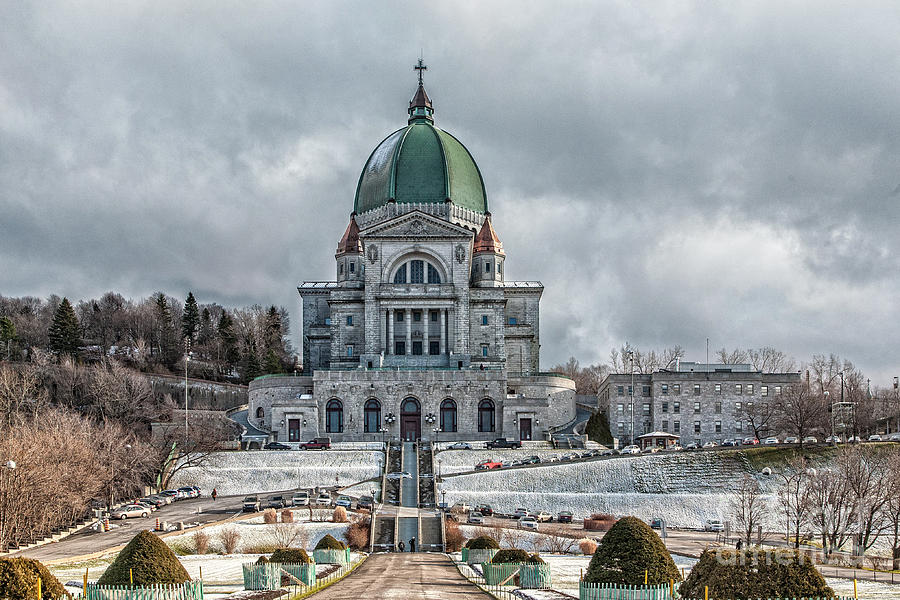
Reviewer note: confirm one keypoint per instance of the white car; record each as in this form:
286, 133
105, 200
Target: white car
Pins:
323, 499
714, 525
630, 450
875, 438
810, 440
674, 448
791, 440
833, 439
300, 499
475, 518
459, 446
543, 517
710, 444
651, 449
771, 441
131, 510
520, 512
460, 507
399, 475
528, 523
895, 437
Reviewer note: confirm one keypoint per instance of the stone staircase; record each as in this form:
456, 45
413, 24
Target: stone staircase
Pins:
432, 540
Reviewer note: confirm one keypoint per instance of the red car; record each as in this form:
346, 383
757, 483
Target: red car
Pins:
750, 441
488, 464
319, 443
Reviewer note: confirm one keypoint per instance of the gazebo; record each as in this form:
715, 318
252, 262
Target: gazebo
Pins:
663, 439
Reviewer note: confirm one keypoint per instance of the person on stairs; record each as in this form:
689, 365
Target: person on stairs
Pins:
412, 544
401, 546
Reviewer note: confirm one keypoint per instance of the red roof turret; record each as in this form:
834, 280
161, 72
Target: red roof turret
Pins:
487, 240
350, 243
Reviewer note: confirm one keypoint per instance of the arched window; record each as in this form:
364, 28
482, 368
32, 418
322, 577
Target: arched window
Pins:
410, 407
334, 417
400, 276
433, 275
486, 415
372, 416
448, 415
417, 271
259, 412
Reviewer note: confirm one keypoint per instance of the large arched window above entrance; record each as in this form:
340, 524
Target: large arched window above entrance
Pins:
372, 416
410, 407
417, 271
334, 417
448, 415
486, 415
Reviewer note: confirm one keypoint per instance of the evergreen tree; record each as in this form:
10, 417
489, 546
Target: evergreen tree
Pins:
273, 363
190, 318
7, 335
597, 428
166, 342
628, 552
227, 340
64, 332
251, 360
272, 331
205, 335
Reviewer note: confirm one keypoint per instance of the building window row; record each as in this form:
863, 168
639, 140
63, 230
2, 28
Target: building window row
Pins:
415, 271
334, 415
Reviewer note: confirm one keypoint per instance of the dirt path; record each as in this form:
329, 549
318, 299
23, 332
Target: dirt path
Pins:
419, 576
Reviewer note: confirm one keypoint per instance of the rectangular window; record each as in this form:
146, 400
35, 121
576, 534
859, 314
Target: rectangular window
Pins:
630, 391
676, 389
676, 407
620, 390
737, 408
696, 389
696, 407
665, 407
328, 320
621, 428
484, 350
696, 426
417, 349
398, 316
416, 271
665, 389
738, 389
665, 426
352, 267
621, 409
349, 319
487, 267
350, 350
417, 316
718, 426
677, 427
777, 390
646, 409
400, 348
718, 388
484, 319
718, 408
763, 390
737, 426
646, 391
513, 321
749, 389
433, 315
341, 268
434, 348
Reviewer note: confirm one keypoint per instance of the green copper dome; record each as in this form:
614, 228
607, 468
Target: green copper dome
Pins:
420, 164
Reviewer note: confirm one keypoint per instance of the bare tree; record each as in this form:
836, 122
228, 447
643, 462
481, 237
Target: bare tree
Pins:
799, 412
892, 508
865, 472
794, 498
760, 416
735, 357
832, 508
748, 507
770, 360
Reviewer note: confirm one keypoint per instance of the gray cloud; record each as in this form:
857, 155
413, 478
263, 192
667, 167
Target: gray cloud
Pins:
671, 172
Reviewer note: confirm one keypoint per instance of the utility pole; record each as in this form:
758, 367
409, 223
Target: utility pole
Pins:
187, 357
631, 354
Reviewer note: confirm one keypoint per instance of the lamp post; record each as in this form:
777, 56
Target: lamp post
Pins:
830, 410
187, 358
631, 357
897, 398
383, 431
436, 430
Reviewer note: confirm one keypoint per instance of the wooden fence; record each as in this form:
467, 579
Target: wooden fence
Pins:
189, 590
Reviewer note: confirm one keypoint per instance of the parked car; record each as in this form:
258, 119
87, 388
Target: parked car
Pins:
488, 465
854, 439
164, 496
485, 509
188, 491
275, 502
323, 499
729, 443
750, 441
692, 446
810, 440
147, 502
656, 523
131, 510
502, 443
710, 444
399, 475
714, 525
300, 499
532, 460
543, 517
553, 458
528, 523
344, 501
875, 438
791, 440
651, 450
475, 518
631, 450
608, 452
895, 437
365, 502
251, 504
519, 513
460, 507
459, 446
771, 441
276, 446
153, 501
674, 448
506, 464
319, 443
564, 517
833, 439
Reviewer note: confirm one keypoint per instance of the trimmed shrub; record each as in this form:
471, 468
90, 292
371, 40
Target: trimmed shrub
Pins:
262, 560
511, 555
287, 516
270, 516
149, 559
627, 550
753, 573
19, 577
453, 536
330, 543
339, 515
587, 546
290, 555
357, 535
201, 542
482, 542
230, 539
535, 559
599, 522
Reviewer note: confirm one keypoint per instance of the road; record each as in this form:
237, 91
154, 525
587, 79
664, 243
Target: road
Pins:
420, 576
88, 541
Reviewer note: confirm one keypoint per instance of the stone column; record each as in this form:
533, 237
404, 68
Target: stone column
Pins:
390, 343
443, 333
408, 319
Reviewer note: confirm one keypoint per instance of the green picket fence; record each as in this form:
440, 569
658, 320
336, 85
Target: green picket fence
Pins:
608, 591
267, 576
494, 573
476, 556
333, 557
189, 590
534, 576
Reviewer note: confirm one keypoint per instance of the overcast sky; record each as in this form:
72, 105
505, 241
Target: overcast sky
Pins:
671, 171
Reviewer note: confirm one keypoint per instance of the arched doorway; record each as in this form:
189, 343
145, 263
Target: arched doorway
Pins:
410, 420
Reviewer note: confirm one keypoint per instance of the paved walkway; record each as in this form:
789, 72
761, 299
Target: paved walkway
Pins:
420, 576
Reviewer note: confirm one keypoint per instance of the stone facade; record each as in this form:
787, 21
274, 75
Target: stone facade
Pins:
700, 403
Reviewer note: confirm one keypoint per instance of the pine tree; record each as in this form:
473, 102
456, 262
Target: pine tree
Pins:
190, 318
64, 331
167, 344
7, 334
273, 364
251, 360
228, 346
273, 332
205, 334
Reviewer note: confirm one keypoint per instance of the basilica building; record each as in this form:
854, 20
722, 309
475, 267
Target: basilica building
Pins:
420, 335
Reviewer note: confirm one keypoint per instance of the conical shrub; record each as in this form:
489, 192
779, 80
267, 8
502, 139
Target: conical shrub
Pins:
628, 551
330, 543
19, 577
482, 542
290, 555
753, 573
149, 559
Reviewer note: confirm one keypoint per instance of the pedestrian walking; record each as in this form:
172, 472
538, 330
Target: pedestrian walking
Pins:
214, 494
412, 544
740, 544
401, 546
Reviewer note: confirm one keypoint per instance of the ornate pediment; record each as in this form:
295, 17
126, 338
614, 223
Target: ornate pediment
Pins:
416, 225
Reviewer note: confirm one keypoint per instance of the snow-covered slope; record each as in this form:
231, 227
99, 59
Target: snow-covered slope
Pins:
270, 471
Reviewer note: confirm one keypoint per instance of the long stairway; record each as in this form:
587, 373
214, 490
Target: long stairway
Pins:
408, 527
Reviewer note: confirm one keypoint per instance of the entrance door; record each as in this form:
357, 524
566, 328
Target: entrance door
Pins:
293, 430
525, 429
410, 420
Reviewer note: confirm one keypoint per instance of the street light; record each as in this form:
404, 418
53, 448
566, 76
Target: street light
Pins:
831, 410
436, 432
631, 357
187, 358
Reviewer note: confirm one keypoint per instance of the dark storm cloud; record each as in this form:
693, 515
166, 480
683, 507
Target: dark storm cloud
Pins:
670, 171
